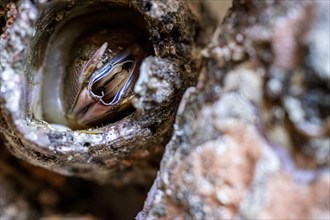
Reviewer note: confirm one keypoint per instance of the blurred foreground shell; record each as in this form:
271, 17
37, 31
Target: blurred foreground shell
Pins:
262, 102
114, 68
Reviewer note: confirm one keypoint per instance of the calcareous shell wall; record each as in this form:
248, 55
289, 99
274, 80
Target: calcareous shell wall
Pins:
125, 146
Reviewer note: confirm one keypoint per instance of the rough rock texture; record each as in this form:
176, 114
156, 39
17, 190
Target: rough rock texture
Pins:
30, 192
251, 140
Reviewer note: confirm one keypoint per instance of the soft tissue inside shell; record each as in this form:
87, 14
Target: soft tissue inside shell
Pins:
97, 23
83, 50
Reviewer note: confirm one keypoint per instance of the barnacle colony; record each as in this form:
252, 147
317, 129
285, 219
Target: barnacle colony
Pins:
90, 67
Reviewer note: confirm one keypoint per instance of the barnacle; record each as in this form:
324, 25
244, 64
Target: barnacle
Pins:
91, 88
94, 58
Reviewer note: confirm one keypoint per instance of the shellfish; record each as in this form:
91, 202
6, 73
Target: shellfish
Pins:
91, 88
102, 66
109, 88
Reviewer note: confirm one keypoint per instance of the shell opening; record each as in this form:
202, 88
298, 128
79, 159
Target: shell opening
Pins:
88, 60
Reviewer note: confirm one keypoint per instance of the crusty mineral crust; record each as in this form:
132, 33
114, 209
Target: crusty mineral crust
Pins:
251, 140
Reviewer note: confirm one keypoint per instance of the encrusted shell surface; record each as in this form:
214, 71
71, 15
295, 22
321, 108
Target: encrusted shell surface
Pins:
127, 146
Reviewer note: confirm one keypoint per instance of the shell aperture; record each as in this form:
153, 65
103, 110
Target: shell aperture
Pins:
105, 91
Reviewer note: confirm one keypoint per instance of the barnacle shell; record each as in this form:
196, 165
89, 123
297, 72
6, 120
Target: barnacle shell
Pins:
114, 37
35, 57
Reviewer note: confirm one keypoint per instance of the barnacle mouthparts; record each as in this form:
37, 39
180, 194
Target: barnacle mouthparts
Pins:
91, 65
